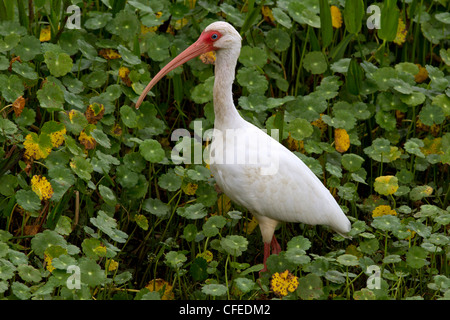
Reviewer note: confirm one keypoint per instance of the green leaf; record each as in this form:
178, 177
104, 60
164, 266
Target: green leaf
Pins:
194, 211
303, 15
175, 259
64, 225
253, 57
8, 183
431, 114
252, 80
297, 256
125, 25
125, 177
310, 287
413, 146
45, 240
21, 291
300, 129
416, 257
386, 223
354, 77
128, 56
443, 102
108, 225
299, 242
51, 97
29, 273
59, 63
28, 48
91, 273
244, 285
74, 121
203, 92
24, 70
82, 167
190, 232
234, 245
107, 195
282, 18
12, 87
326, 27
388, 20
95, 79
151, 150
213, 225
352, 162
156, 207
198, 269
353, 15
315, 62
278, 40
215, 290
158, 49
28, 200
141, 221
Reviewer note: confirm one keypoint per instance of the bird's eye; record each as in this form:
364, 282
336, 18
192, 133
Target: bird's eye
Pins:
214, 36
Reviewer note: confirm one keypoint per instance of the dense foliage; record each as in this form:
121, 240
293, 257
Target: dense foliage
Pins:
90, 186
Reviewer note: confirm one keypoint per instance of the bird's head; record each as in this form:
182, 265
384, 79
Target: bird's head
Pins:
220, 35
217, 36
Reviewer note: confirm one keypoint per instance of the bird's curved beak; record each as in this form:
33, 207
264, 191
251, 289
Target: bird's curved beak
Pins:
197, 48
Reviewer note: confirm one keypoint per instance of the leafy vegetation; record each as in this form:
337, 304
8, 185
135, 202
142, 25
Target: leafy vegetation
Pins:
88, 183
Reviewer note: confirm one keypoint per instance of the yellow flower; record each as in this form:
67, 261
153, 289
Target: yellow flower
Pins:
41, 187
58, 137
283, 283
160, 285
383, 210
112, 264
123, 72
46, 34
48, 260
400, 38
207, 255
336, 17
342, 140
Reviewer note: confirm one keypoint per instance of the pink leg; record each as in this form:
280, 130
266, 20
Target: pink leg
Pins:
276, 248
266, 255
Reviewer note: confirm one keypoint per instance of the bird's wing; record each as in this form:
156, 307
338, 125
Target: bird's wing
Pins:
278, 185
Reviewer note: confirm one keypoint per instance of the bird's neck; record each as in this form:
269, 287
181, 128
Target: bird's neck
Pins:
226, 115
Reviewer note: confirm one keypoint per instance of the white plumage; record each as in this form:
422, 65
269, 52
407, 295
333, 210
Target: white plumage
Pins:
251, 168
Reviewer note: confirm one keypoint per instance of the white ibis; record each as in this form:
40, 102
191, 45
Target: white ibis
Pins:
251, 168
